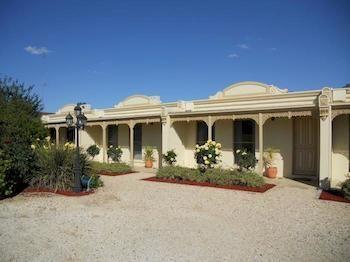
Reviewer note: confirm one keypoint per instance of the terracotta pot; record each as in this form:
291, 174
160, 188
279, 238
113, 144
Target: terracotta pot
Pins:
149, 164
271, 172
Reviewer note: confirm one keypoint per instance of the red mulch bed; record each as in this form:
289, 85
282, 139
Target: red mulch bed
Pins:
261, 189
109, 173
333, 196
60, 192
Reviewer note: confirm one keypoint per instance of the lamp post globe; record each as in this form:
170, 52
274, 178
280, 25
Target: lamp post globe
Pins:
77, 110
69, 120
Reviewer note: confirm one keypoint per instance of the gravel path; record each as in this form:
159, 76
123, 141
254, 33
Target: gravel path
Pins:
133, 220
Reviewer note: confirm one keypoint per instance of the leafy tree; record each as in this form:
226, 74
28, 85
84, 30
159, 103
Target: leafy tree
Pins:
20, 127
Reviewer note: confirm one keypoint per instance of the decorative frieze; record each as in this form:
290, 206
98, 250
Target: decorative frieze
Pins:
338, 112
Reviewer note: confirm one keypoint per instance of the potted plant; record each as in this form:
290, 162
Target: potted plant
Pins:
270, 162
149, 158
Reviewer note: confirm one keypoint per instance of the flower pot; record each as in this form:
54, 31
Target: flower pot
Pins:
149, 164
271, 172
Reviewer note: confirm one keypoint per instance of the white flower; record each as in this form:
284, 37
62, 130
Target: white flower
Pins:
209, 155
244, 153
32, 147
218, 145
48, 138
172, 159
214, 143
197, 146
197, 150
211, 165
209, 141
166, 153
206, 162
45, 147
216, 157
38, 139
238, 151
206, 148
205, 158
217, 151
110, 146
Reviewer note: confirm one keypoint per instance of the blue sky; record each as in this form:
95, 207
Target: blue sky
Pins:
103, 51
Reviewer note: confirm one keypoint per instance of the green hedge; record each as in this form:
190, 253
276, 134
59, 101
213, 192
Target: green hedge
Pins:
214, 176
119, 168
346, 189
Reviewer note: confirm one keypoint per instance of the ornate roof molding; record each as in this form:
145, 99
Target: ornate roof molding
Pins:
138, 100
248, 88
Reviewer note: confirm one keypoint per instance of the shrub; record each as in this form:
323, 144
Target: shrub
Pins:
214, 176
95, 181
179, 173
115, 153
5, 188
55, 168
346, 189
20, 126
93, 151
148, 155
245, 160
208, 155
118, 168
170, 157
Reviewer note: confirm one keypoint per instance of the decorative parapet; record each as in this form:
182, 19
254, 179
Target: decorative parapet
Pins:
139, 100
248, 88
324, 102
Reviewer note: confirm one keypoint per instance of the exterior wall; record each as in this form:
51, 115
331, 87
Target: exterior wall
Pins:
63, 135
90, 136
152, 136
177, 133
124, 142
340, 152
278, 134
224, 136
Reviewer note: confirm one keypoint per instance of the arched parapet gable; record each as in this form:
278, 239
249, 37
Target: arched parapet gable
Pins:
138, 100
248, 88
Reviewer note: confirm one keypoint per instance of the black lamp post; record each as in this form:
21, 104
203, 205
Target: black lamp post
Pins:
79, 124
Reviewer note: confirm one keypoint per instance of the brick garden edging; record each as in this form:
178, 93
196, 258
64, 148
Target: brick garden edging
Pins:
59, 192
261, 189
333, 197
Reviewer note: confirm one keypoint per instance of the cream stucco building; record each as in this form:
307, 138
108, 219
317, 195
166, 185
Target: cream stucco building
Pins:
310, 128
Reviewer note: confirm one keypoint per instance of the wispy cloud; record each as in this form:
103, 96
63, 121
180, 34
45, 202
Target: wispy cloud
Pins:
272, 49
243, 46
37, 50
233, 56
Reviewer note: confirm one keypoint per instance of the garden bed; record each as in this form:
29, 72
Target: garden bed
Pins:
333, 195
59, 192
260, 189
111, 173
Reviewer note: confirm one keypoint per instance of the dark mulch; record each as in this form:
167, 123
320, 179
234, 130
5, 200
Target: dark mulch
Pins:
261, 189
333, 195
60, 192
109, 173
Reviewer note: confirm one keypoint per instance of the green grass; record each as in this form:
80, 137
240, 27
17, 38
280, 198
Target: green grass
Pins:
214, 176
118, 168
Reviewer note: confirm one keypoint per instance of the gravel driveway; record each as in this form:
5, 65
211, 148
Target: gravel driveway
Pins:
133, 220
